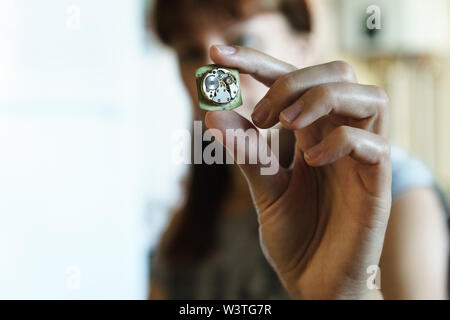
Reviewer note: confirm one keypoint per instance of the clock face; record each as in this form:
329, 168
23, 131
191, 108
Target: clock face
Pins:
219, 86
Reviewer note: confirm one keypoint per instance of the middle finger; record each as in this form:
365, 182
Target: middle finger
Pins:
292, 85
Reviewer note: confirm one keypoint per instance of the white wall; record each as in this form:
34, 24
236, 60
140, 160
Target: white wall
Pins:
85, 171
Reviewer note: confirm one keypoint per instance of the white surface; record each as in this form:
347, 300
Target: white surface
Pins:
85, 171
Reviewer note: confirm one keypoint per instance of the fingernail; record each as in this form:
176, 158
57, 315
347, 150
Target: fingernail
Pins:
291, 113
225, 50
313, 153
261, 112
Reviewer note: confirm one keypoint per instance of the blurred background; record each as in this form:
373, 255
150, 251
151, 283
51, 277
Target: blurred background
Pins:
87, 179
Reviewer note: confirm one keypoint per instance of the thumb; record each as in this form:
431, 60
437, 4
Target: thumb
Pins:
266, 179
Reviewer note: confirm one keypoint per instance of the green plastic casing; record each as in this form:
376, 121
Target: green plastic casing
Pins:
208, 105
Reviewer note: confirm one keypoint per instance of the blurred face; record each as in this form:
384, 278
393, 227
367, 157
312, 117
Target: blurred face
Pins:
267, 32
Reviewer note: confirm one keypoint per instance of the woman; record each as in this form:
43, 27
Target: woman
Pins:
321, 221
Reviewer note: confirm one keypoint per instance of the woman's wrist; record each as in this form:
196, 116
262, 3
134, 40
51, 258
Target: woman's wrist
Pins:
374, 294
368, 294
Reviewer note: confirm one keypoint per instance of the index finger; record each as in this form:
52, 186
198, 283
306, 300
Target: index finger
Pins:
260, 66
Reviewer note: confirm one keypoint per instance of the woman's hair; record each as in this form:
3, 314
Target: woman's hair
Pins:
170, 19
191, 233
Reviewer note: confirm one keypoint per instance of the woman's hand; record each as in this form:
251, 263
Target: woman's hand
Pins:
323, 220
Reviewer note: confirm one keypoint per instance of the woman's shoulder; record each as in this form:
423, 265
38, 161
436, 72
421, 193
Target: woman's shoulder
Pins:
408, 172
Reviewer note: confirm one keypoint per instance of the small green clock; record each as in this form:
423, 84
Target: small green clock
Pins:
218, 88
